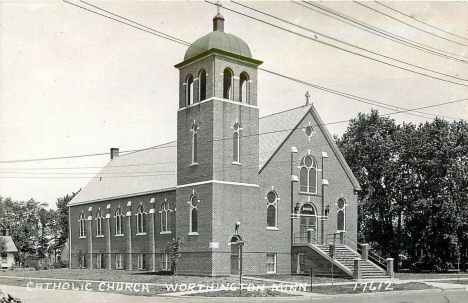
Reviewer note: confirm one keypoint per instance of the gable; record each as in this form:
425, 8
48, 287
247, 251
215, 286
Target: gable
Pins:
284, 133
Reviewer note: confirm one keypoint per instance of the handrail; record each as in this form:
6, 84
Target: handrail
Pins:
371, 254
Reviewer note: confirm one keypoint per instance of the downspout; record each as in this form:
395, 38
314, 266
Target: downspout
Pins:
293, 179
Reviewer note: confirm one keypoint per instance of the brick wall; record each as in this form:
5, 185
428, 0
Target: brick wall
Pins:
118, 244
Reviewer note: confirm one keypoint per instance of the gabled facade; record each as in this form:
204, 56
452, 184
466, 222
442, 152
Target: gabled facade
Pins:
281, 176
7, 258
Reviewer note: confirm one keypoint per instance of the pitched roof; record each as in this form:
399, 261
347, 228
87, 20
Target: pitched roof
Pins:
156, 167
10, 245
274, 129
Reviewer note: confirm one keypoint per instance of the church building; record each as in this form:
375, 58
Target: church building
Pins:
277, 187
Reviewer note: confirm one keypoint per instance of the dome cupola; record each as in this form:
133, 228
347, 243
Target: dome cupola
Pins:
219, 40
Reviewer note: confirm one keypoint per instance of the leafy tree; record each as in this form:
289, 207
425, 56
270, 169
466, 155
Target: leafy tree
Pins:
61, 220
175, 254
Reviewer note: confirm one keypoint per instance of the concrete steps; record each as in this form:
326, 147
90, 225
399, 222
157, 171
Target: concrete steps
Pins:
345, 256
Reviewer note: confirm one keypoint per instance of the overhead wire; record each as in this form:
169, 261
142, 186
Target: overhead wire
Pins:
438, 28
165, 145
379, 32
309, 84
417, 28
346, 43
337, 47
176, 40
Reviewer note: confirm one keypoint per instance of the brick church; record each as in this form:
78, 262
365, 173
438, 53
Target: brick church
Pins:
281, 177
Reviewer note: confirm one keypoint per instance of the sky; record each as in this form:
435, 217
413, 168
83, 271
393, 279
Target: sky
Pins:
74, 83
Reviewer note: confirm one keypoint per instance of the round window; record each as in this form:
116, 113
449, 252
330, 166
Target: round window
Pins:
308, 161
271, 197
341, 203
309, 130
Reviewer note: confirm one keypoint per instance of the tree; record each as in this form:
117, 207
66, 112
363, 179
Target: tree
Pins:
61, 220
414, 183
175, 254
368, 146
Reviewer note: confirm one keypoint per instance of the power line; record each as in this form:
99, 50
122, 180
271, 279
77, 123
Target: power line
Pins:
230, 138
381, 33
168, 37
409, 24
420, 20
337, 47
306, 83
346, 43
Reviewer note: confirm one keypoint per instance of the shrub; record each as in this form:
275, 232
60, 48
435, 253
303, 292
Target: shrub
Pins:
8, 298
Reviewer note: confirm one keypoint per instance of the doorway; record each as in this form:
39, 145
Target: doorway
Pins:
308, 222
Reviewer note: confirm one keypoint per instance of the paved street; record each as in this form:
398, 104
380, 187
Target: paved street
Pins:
431, 296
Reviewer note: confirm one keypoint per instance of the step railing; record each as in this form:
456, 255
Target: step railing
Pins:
308, 237
372, 255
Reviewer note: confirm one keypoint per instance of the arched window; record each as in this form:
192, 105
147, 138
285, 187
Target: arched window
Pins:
99, 224
194, 214
82, 221
202, 89
118, 222
236, 143
272, 209
308, 175
244, 88
165, 217
340, 216
141, 220
189, 90
227, 84
195, 144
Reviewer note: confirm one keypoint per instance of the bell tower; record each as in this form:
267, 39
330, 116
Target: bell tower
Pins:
217, 150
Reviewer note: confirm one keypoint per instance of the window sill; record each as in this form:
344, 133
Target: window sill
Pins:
100, 236
195, 233
236, 163
308, 193
119, 235
141, 234
165, 232
194, 164
82, 237
272, 228
271, 272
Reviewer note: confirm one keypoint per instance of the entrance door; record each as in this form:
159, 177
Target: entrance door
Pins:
234, 256
308, 221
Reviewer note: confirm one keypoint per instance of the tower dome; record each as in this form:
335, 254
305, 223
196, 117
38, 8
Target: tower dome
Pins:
220, 40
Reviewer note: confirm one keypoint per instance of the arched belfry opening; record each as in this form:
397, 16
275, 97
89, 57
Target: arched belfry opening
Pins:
244, 88
227, 84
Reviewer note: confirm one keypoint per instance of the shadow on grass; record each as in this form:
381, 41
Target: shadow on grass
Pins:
153, 273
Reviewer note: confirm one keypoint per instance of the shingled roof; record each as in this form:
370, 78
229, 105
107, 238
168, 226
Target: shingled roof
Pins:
10, 245
155, 169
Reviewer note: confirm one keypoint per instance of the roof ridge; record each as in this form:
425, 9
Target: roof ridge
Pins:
285, 111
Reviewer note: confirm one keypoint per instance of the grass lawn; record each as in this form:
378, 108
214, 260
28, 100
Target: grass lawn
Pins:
424, 276
360, 288
244, 293
302, 279
102, 275
115, 276
465, 282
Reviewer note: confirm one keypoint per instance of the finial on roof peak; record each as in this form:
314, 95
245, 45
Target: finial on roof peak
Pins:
218, 20
307, 98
